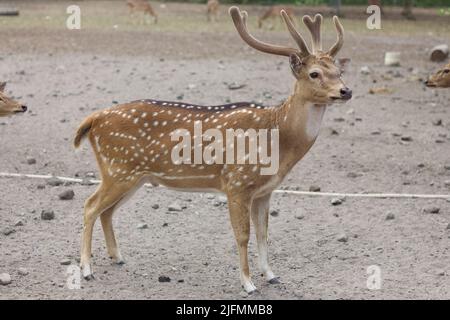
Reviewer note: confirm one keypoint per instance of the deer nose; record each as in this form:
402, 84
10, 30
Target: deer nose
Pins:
24, 108
346, 93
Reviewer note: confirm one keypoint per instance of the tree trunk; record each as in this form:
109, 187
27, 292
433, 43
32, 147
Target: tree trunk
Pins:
407, 9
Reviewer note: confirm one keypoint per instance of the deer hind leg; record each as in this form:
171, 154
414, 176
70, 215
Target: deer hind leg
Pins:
260, 218
105, 198
240, 221
111, 243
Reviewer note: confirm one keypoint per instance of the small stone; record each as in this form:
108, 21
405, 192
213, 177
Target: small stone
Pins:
5, 279
235, 86
243, 294
365, 70
142, 226
31, 161
342, 238
163, 279
155, 206
18, 223
437, 122
406, 138
7, 231
47, 215
314, 188
447, 167
390, 216
165, 224
441, 273
448, 226
65, 262
336, 201
274, 213
54, 182
66, 195
22, 272
175, 208
86, 182
40, 186
431, 209
299, 217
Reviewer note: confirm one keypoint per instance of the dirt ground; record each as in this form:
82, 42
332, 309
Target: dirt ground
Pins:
387, 143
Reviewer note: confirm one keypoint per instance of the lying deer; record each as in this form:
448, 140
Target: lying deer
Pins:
440, 79
7, 105
273, 13
133, 144
212, 10
143, 6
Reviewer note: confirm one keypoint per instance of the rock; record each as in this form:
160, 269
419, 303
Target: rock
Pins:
380, 90
163, 279
390, 216
40, 186
22, 272
47, 215
235, 86
299, 217
5, 279
155, 206
431, 209
7, 231
54, 182
406, 138
342, 237
437, 122
336, 201
90, 174
86, 182
447, 167
142, 226
18, 223
66, 195
353, 175
392, 59
365, 70
165, 224
274, 213
448, 226
65, 262
174, 208
243, 294
314, 188
31, 161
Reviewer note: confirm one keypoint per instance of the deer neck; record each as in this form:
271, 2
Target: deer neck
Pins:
299, 123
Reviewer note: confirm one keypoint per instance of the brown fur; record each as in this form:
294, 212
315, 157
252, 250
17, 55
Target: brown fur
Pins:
9, 106
440, 79
212, 10
273, 13
143, 6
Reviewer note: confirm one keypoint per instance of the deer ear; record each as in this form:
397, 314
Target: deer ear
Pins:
2, 86
295, 63
343, 64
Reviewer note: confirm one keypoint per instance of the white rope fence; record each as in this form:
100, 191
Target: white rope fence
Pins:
293, 192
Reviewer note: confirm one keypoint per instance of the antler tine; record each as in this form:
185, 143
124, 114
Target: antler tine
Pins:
340, 38
313, 26
295, 34
240, 22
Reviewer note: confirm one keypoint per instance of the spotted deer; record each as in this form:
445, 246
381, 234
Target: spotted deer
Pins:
441, 79
143, 6
7, 105
212, 10
135, 143
273, 13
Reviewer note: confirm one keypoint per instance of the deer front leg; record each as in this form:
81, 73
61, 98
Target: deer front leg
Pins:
260, 218
240, 221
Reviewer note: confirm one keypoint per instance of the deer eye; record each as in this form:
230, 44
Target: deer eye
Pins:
314, 75
447, 71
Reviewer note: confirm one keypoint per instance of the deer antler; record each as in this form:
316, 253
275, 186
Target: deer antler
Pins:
295, 34
340, 38
313, 26
240, 22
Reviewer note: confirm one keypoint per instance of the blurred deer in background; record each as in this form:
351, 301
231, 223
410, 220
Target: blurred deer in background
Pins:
133, 144
143, 6
273, 13
212, 10
7, 105
440, 79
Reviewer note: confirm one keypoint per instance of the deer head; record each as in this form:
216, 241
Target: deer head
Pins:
318, 76
7, 105
440, 79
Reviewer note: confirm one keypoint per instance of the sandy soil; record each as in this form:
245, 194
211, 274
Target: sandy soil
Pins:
65, 75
